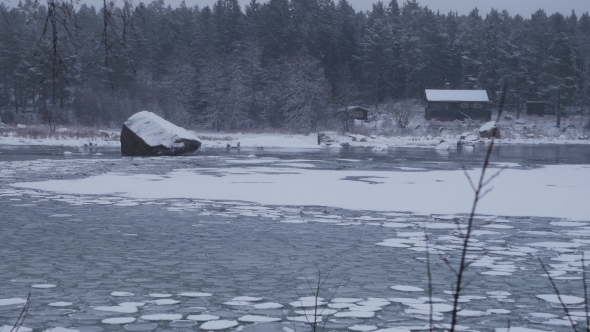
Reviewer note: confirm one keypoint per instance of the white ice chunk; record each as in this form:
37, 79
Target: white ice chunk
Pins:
195, 294
362, 327
567, 299
118, 320
407, 288
472, 313
218, 325
258, 319
119, 308
346, 300
268, 305
164, 301
375, 301
122, 294
12, 301
162, 317
44, 286
247, 299
498, 311
9, 328
202, 318
60, 304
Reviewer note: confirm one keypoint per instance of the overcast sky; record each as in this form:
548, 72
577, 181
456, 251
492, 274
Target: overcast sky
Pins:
522, 7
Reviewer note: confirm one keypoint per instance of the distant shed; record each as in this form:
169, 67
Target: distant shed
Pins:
355, 112
448, 105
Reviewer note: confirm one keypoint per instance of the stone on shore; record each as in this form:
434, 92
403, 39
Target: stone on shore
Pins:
489, 130
146, 134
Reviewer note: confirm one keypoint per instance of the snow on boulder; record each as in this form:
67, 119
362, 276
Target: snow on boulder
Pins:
146, 134
443, 146
489, 130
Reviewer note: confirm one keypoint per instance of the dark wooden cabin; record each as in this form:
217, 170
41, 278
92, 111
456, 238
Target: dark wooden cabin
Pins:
357, 112
449, 105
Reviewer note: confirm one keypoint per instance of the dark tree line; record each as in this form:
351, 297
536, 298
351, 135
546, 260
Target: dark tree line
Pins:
290, 64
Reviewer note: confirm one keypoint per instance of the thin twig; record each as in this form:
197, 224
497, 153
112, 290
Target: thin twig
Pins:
429, 274
585, 292
463, 264
567, 313
23, 315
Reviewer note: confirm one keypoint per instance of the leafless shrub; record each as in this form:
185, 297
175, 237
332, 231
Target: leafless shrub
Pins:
315, 290
480, 189
403, 111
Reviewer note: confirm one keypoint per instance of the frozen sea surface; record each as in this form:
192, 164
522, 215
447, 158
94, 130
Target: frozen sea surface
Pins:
241, 265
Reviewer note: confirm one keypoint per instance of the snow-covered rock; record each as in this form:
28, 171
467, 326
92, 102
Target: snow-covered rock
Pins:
21, 126
489, 130
146, 134
520, 121
62, 130
443, 146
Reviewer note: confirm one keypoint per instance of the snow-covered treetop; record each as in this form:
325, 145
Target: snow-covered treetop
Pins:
156, 131
457, 95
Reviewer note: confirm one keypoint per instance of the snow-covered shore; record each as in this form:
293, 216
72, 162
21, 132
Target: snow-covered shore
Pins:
290, 141
379, 135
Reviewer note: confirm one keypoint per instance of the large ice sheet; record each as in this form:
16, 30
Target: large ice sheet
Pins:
554, 191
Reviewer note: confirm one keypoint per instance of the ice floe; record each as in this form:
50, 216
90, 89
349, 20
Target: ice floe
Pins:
404, 288
162, 317
218, 325
566, 299
119, 320
258, 319
202, 318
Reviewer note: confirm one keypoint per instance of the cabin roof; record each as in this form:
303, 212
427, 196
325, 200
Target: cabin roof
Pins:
458, 95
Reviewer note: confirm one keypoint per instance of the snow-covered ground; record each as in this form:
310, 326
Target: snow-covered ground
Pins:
379, 134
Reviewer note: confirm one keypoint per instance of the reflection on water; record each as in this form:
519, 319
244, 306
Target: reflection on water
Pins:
527, 155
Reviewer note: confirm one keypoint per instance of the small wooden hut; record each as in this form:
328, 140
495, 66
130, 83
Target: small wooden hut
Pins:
449, 105
358, 113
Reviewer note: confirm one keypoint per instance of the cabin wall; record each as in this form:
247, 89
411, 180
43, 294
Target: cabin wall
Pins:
449, 111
